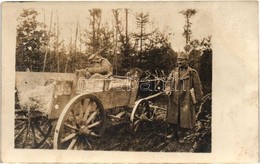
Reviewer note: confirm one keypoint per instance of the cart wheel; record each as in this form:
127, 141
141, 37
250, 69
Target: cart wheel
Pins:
31, 129
81, 124
141, 113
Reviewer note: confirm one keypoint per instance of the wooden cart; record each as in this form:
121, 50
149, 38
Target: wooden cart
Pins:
79, 109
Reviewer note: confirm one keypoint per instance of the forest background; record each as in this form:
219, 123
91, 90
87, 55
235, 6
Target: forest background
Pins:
46, 42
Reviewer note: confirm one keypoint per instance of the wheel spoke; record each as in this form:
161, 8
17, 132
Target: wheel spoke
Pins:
69, 137
70, 126
21, 119
20, 125
81, 110
145, 113
136, 122
87, 111
20, 132
94, 134
85, 104
72, 143
90, 146
26, 135
138, 117
34, 136
74, 117
39, 129
94, 124
91, 117
144, 116
20, 110
38, 136
136, 126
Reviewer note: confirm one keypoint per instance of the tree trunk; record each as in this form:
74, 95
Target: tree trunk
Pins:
94, 34
141, 45
76, 37
47, 49
127, 39
57, 44
115, 12
67, 61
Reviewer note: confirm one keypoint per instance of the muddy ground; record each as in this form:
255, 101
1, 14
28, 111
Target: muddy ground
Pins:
150, 137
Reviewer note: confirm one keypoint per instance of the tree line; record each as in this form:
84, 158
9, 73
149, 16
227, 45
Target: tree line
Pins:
40, 48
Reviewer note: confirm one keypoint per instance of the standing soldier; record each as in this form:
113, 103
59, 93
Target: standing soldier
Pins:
185, 92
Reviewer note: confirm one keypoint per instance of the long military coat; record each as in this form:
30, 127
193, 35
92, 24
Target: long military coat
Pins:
181, 109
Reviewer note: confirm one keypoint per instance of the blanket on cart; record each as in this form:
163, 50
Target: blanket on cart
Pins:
38, 99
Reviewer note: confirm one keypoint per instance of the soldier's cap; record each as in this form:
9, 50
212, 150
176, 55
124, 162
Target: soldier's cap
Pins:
93, 56
97, 54
183, 55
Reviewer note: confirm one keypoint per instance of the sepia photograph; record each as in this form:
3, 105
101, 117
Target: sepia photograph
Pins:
127, 77
113, 79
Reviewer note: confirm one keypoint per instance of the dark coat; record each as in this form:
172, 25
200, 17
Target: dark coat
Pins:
180, 100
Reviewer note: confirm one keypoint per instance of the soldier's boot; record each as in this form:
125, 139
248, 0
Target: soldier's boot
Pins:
173, 133
181, 135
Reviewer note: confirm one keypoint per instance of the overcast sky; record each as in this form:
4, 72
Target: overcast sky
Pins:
164, 15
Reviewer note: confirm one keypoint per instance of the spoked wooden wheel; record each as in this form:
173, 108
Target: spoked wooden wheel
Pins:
81, 124
141, 113
31, 129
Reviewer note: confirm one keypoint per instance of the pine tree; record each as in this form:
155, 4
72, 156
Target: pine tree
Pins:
30, 40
